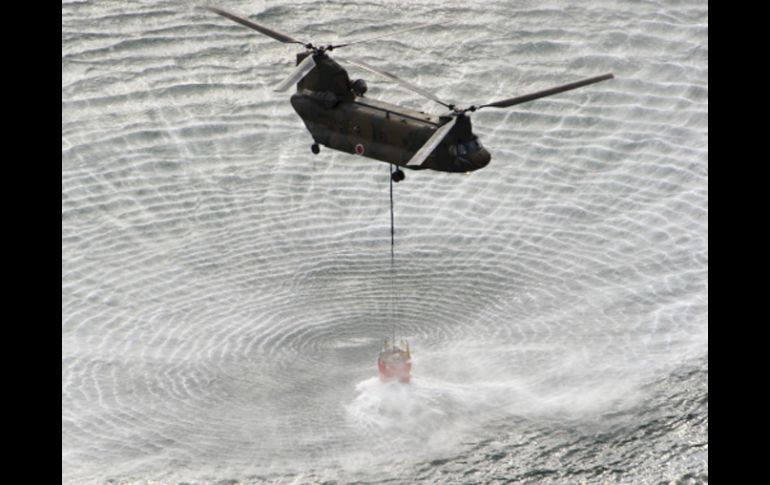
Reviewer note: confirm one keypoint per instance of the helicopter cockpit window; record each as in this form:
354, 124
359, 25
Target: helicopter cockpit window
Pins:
461, 149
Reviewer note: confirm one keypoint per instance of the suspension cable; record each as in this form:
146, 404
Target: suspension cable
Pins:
392, 260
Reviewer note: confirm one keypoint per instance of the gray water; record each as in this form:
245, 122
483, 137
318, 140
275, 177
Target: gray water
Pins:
225, 292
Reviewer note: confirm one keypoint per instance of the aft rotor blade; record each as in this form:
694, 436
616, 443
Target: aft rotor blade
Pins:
405, 84
430, 145
301, 71
253, 25
548, 92
390, 34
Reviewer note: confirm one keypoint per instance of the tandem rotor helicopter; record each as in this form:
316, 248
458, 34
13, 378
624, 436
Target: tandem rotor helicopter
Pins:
339, 116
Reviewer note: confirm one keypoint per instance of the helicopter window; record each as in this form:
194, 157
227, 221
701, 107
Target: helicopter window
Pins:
472, 146
465, 148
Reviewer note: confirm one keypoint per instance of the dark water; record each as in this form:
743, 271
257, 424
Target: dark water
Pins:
225, 292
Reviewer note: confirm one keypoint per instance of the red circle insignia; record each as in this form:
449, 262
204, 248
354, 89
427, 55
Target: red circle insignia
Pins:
359, 149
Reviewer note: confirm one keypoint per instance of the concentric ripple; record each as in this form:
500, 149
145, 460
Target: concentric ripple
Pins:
225, 292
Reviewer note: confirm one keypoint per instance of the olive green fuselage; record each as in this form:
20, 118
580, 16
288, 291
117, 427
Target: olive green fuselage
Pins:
341, 119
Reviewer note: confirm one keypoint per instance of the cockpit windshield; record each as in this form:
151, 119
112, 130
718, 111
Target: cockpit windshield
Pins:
467, 148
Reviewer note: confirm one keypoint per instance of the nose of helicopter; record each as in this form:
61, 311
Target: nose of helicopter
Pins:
480, 159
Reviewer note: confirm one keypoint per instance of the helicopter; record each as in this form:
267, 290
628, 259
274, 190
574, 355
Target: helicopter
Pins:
339, 116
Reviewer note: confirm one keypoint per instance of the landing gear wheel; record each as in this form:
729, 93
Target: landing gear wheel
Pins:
398, 175
315, 148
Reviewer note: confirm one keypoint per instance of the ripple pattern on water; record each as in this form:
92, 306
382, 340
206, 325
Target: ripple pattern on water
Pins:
225, 292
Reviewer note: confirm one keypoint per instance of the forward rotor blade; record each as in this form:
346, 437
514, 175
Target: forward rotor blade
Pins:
403, 83
253, 25
430, 145
390, 34
301, 71
548, 92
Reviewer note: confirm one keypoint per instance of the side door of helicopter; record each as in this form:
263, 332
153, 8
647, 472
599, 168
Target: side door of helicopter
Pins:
380, 135
359, 130
362, 134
